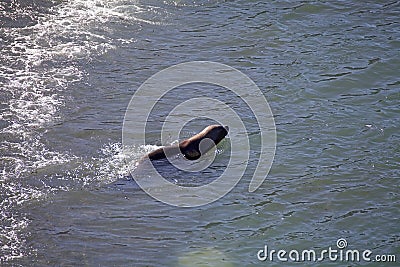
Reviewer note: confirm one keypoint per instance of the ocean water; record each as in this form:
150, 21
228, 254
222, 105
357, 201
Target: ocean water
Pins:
68, 69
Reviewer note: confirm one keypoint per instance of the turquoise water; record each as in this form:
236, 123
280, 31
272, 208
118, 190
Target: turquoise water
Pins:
329, 71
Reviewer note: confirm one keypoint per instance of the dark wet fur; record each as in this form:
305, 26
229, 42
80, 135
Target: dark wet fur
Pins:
190, 148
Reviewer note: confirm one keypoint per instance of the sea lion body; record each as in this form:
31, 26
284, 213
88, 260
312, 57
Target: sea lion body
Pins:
193, 147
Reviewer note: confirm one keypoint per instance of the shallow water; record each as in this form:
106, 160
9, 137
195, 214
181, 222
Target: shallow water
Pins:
69, 68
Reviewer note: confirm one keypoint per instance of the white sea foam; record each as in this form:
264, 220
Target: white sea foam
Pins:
39, 63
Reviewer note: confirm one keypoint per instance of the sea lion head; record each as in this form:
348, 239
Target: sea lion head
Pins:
215, 132
202, 142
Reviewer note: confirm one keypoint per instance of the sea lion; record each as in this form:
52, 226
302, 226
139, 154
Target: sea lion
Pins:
193, 147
